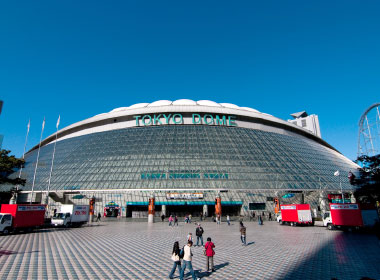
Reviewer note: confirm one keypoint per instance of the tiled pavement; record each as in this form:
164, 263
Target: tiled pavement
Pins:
136, 250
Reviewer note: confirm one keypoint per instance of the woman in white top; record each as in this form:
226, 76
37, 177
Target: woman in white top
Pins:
176, 259
187, 258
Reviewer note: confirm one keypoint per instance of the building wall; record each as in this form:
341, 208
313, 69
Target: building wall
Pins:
187, 157
310, 123
242, 199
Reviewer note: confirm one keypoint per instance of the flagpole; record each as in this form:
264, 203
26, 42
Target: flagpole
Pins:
14, 198
51, 166
38, 155
26, 141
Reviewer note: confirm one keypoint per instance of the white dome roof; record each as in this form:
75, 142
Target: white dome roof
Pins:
185, 102
249, 109
208, 103
229, 105
138, 105
100, 114
119, 109
160, 103
187, 106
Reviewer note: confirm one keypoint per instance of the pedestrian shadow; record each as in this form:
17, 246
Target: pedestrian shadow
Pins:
208, 273
250, 243
7, 253
4, 252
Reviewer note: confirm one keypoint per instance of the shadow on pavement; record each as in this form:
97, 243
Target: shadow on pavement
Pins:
346, 256
207, 274
50, 229
9, 252
6, 253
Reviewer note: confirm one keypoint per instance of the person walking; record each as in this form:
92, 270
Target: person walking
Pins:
228, 220
162, 218
219, 219
176, 260
170, 220
190, 237
201, 216
209, 252
270, 216
187, 259
199, 233
176, 220
99, 217
260, 220
190, 216
243, 232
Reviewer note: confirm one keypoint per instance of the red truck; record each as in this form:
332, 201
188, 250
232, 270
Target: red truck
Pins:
350, 215
295, 214
21, 217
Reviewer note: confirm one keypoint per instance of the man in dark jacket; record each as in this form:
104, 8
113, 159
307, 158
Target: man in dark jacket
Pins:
199, 233
243, 232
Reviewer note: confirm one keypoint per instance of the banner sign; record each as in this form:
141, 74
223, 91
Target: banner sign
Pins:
288, 195
112, 204
290, 207
31, 208
187, 196
344, 207
337, 196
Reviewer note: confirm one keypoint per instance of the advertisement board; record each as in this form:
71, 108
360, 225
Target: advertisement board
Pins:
187, 196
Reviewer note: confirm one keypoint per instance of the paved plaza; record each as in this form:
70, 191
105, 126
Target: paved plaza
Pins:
136, 250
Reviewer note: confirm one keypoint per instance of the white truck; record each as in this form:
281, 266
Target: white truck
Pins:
71, 216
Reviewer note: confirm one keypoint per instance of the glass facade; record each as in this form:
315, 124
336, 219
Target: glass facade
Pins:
175, 157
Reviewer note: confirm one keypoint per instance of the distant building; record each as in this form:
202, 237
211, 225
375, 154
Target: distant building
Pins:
311, 123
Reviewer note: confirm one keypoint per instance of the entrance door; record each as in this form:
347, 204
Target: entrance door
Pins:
136, 208
183, 210
231, 210
112, 211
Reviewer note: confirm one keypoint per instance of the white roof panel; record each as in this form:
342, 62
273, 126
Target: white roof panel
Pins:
249, 109
119, 109
160, 103
138, 105
208, 103
229, 105
184, 102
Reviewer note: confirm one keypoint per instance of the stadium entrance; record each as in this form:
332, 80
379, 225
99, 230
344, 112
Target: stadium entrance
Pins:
183, 210
112, 210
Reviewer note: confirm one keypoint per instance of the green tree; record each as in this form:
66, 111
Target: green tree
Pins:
368, 181
8, 165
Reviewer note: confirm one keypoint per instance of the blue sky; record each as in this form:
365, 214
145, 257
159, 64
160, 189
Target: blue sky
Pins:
82, 58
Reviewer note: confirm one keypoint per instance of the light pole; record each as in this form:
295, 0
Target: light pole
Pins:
337, 173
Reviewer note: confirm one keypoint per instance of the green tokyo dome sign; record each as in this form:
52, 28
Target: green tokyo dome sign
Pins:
206, 119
